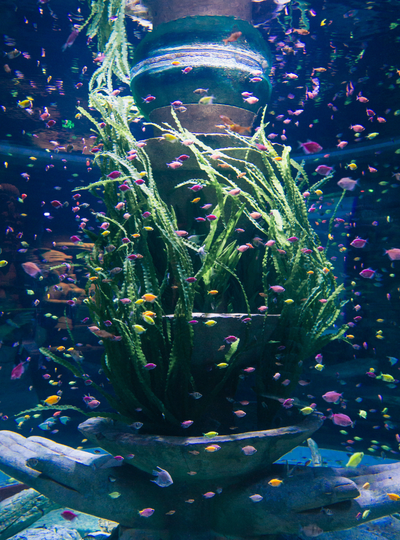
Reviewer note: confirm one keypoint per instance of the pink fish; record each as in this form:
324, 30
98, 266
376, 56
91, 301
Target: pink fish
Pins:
239, 414
93, 404
342, 144
71, 39
114, 174
367, 273
359, 243
277, 288
347, 183
357, 128
68, 515
186, 423
231, 339
181, 233
292, 239
310, 147
148, 99
150, 366
31, 269
248, 450
288, 403
242, 248
262, 147
174, 164
270, 243
18, 371
191, 279
394, 254
209, 495
252, 100
323, 170
255, 215
332, 397
196, 188
341, 420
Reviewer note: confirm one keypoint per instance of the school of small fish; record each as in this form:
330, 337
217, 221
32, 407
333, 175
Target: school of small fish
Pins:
311, 94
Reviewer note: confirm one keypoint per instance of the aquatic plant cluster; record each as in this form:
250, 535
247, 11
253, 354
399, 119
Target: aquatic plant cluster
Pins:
144, 268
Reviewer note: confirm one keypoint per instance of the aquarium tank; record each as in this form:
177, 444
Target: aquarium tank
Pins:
199, 293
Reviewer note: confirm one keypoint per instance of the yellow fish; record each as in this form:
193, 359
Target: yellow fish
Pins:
148, 319
148, 229
371, 135
135, 235
319, 367
275, 482
351, 166
170, 138
210, 434
206, 100
139, 329
140, 301
25, 104
149, 313
393, 496
367, 486
213, 292
114, 494
318, 192
52, 400
148, 297
210, 323
196, 200
386, 377
365, 514
306, 410
222, 365
289, 301
3, 263
355, 459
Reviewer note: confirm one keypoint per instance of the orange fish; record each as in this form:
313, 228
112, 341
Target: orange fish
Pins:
233, 37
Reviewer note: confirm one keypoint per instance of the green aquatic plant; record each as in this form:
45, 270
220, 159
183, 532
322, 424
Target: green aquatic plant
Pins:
142, 269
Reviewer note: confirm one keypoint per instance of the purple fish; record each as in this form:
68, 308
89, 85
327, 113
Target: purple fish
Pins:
31, 269
18, 371
332, 397
347, 183
341, 420
358, 242
114, 174
367, 273
311, 147
323, 170
230, 339
277, 288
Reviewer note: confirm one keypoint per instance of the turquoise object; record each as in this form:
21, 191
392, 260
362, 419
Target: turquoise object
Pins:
187, 54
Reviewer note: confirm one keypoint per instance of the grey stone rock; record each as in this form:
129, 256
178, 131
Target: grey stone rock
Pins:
21, 511
226, 465
54, 533
85, 524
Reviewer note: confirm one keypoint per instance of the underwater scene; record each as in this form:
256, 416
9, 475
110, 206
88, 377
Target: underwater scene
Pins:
199, 269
